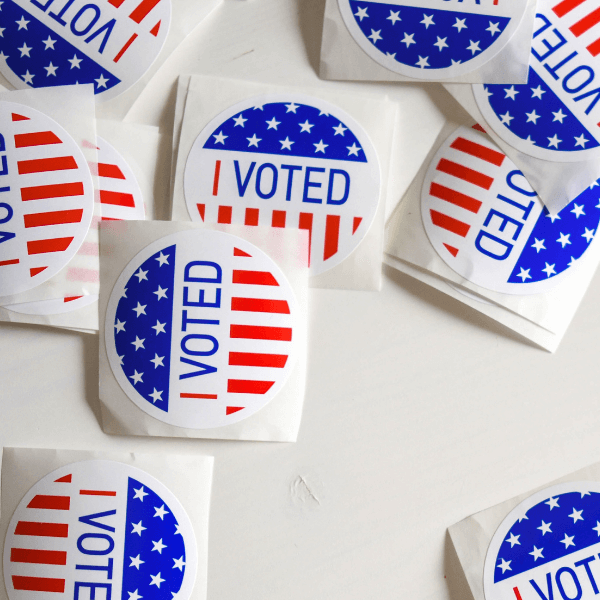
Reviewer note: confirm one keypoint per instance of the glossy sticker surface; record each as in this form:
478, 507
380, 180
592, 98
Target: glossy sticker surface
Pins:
56, 306
287, 160
547, 547
489, 226
99, 529
556, 115
109, 44
200, 329
46, 198
429, 39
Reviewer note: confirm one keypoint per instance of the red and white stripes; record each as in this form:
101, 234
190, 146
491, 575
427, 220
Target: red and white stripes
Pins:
584, 19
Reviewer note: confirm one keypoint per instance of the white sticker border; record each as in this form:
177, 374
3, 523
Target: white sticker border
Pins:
43, 308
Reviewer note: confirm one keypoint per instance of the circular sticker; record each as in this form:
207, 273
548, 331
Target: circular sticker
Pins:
422, 39
547, 547
488, 225
46, 198
63, 42
287, 160
556, 115
200, 329
99, 529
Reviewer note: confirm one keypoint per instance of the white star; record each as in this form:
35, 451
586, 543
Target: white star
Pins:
486, 90
179, 564
408, 39
506, 118
375, 37
49, 43
361, 13
559, 116
159, 327
576, 515
581, 141
138, 344
353, 150
220, 138
537, 92
161, 292
156, 580
423, 62
140, 309
571, 262
75, 62
292, 108
156, 395
553, 217
157, 360
178, 529
588, 235
137, 528
163, 259
505, 565
239, 121
161, 512
552, 503
391, 55
306, 126
158, 546
3, 56
273, 124
460, 24
22, 23
493, 28
524, 274
51, 70
136, 561
258, 107
563, 240
137, 377
554, 141
549, 269
441, 43
2, 31
537, 553
120, 325
538, 245
545, 528
530, 140
394, 16
585, 494
595, 184
473, 47
339, 130
134, 596
320, 147
511, 92
24, 50
253, 141
101, 81
141, 274
532, 117
597, 528
427, 20
513, 539
578, 210
286, 144
140, 495
568, 541
121, 359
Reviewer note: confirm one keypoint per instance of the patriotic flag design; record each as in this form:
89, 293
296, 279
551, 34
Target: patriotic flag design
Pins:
58, 42
46, 193
287, 164
99, 528
200, 329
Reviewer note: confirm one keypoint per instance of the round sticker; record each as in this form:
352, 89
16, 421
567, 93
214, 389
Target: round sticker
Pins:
287, 160
422, 39
489, 226
46, 198
99, 529
200, 329
547, 547
556, 115
63, 42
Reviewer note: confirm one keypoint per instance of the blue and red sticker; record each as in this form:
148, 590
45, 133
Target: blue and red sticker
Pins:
488, 225
201, 329
547, 547
99, 529
287, 160
427, 39
556, 115
65, 42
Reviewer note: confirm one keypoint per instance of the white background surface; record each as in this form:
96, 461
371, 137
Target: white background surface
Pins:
418, 411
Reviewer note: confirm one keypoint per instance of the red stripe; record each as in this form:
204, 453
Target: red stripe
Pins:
306, 222
58, 190
12, 261
154, 31
50, 502
39, 138
201, 209
112, 171
42, 165
142, 9
446, 222
238, 252
216, 179
38, 557
122, 51
70, 299
464, 173
51, 245
479, 151
96, 493
566, 6
245, 386
65, 479
451, 249
224, 214
57, 217
517, 594
254, 277
594, 48
233, 409
356, 224
257, 332
16, 117
116, 198
332, 235
38, 584
586, 23
278, 219
454, 197
204, 396
33, 272
260, 305
251, 359
59, 530
251, 217
116, 3
478, 127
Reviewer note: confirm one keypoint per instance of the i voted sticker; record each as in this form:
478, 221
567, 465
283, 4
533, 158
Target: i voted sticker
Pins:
287, 160
432, 39
201, 329
99, 529
556, 115
489, 226
547, 547
46, 198
64, 42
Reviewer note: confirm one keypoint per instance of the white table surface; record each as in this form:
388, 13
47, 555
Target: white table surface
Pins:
418, 410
